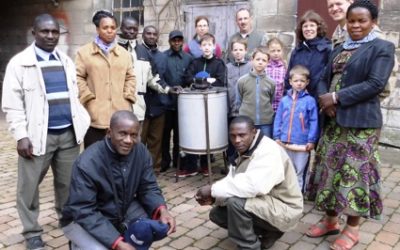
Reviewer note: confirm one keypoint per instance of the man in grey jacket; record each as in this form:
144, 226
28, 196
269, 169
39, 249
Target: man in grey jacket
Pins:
260, 198
40, 99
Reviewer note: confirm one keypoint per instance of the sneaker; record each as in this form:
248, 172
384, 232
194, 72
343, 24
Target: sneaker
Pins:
205, 172
185, 173
35, 243
267, 241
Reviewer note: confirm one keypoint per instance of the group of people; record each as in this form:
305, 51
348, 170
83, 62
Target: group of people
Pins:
119, 99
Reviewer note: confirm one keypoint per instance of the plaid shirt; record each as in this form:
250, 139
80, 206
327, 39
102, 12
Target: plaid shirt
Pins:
277, 71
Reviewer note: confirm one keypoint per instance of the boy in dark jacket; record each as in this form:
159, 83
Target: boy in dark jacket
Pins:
215, 70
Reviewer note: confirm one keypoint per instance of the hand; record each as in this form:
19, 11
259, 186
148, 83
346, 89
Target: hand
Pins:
203, 196
280, 143
325, 101
331, 111
175, 90
25, 148
310, 146
122, 245
166, 218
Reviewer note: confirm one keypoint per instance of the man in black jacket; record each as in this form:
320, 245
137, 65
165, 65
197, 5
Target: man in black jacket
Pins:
177, 62
112, 186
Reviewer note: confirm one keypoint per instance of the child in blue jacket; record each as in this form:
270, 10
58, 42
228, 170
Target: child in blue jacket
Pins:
296, 121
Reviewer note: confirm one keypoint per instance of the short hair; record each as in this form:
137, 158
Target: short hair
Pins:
100, 14
239, 40
207, 37
199, 18
299, 70
243, 119
150, 27
260, 49
120, 115
311, 16
128, 18
366, 4
44, 18
244, 9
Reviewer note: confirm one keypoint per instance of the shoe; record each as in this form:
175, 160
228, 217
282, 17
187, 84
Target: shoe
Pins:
204, 171
267, 241
185, 173
323, 228
164, 169
346, 241
35, 243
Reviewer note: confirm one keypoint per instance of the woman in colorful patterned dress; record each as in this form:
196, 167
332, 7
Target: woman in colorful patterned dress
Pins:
347, 153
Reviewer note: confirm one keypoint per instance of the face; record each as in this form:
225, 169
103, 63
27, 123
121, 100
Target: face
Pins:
309, 30
207, 46
260, 61
129, 29
176, 44
241, 136
337, 9
150, 36
275, 51
298, 82
46, 35
359, 23
243, 21
107, 30
124, 135
238, 51
202, 28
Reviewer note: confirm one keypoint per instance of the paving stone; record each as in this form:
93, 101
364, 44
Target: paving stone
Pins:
291, 237
311, 218
220, 233
192, 223
395, 218
182, 242
375, 245
57, 242
227, 244
387, 238
199, 232
366, 238
371, 227
206, 242
301, 245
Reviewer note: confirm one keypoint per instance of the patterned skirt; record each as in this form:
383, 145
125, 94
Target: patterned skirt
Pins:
347, 171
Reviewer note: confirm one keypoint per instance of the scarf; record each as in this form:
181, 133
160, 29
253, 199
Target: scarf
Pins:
104, 46
349, 44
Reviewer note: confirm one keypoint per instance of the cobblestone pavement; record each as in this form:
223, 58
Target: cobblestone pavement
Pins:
194, 230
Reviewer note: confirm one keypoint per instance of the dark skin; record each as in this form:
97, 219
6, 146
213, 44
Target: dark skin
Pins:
150, 37
47, 34
129, 29
359, 24
241, 136
124, 135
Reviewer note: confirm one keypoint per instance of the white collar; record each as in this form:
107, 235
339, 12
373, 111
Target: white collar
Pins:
44, 54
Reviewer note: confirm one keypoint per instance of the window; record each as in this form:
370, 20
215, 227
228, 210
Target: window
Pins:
124, 8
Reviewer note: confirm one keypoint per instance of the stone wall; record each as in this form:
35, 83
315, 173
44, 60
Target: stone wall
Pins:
389, 22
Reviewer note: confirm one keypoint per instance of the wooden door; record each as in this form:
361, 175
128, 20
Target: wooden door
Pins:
221, 17
321, 8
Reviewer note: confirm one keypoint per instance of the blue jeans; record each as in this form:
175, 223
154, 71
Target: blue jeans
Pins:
266, 129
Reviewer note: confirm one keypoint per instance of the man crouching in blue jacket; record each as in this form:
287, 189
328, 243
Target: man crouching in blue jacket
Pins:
112, 186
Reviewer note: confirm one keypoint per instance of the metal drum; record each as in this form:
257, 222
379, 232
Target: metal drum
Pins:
202, 113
